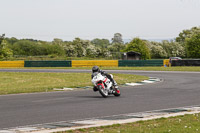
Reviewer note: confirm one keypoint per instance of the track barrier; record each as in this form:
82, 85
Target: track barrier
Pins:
136, 63
100, 63
47, 64
185, 63
166, 63
11, 63
90, 63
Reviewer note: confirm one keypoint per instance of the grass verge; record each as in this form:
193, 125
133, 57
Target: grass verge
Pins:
197, 69
178, 124
27, 82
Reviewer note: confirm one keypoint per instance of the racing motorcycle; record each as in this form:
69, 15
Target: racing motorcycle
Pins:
104, 85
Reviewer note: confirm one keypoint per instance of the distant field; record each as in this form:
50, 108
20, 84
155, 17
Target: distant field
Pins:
27, 82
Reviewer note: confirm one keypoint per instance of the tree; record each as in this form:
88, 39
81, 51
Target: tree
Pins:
11, 40
193, 46
117, 38
5, 52
138, 45
91, 51
79, 47
115, 50
103, 43
187, 34
157, 51
57, 41
69, 49
2, 38
25, 47
173, 48
84, 48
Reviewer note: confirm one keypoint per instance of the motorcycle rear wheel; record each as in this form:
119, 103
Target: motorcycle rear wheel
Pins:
117, 92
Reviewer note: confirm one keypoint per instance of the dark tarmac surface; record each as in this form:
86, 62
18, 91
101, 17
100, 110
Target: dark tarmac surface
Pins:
177, 89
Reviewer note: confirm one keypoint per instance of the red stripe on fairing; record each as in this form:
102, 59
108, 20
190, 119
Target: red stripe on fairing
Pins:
101, 85
105, 80
118, 91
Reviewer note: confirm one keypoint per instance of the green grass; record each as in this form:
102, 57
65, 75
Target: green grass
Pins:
179, 124
197, 68
27, 82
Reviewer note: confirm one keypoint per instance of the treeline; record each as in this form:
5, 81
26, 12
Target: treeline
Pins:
186, 45
97, 48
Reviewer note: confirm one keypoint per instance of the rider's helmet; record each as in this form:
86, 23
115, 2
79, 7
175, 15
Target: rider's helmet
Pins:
95, 69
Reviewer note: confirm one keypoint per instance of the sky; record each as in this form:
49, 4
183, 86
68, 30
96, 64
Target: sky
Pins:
89, 19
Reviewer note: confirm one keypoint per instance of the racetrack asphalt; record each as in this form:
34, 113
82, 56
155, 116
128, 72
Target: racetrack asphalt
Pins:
177, 89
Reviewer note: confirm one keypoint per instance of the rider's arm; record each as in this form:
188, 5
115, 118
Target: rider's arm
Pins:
104, 73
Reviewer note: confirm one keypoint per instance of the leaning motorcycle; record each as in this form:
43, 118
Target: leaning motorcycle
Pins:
104, 85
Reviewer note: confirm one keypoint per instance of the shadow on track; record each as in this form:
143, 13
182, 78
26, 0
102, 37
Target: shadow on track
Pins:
98, 97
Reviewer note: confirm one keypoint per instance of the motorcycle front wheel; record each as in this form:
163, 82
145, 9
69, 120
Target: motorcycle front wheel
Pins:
102, 91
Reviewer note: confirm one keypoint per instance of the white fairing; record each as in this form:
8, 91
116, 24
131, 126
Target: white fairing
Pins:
97, 78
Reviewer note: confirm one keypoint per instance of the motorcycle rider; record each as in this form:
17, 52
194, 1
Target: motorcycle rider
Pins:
96, 69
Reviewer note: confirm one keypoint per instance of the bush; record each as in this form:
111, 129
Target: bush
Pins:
30, 48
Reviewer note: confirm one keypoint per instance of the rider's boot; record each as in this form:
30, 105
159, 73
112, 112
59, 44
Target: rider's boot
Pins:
115, 84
